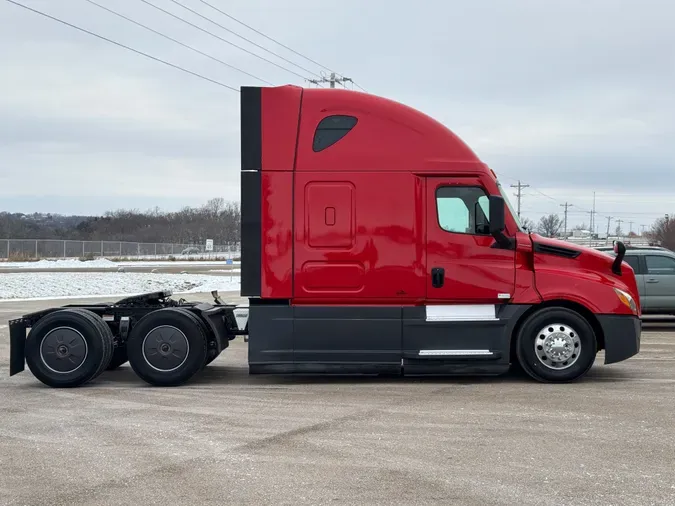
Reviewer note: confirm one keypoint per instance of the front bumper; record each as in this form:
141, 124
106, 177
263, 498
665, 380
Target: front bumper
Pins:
622, 336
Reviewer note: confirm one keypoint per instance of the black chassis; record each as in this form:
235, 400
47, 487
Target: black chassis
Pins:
122, 315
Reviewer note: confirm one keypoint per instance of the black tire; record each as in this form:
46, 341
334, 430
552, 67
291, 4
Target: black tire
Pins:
119, 357
106, 335
173, 357
211, 353
531, 352
84, 341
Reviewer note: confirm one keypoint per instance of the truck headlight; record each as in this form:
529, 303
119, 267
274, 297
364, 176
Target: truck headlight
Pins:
627, 300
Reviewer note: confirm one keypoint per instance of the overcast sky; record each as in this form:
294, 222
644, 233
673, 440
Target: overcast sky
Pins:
568, 96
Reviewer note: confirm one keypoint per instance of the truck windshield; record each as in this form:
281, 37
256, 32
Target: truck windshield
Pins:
516, 218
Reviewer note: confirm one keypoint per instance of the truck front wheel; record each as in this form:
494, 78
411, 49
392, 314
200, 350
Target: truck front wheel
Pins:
556, 344
167, 347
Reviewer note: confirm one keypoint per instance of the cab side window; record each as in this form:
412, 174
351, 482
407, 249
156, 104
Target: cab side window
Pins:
463, 210
660, 265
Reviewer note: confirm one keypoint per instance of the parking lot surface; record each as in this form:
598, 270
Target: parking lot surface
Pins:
231, 438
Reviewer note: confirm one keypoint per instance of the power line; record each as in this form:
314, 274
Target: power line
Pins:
544, 195
220, 38
177, 41
626, 214
266, 36
359, 87
581, 210
241, 36
275, 41
123, 46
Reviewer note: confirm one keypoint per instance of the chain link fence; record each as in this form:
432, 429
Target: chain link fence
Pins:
27, 249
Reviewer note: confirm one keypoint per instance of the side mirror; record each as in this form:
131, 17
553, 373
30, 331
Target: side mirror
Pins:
497, 222
620, 250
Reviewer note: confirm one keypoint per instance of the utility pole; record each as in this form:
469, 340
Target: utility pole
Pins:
590, 236
566, 205
332, 80
593, 216
520, 186
630, 230
642, 230
609, 219
619, 222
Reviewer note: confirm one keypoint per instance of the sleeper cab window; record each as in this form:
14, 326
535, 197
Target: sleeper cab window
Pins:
463, 210
331, 129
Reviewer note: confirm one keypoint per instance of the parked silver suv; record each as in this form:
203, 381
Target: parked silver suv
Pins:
655, 275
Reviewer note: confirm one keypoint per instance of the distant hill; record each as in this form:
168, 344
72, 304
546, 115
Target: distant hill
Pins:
217, 220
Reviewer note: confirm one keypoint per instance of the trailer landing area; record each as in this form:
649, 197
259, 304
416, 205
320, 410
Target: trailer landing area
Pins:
227, 437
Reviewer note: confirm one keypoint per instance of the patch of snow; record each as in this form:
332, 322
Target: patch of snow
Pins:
50, 285
104, 263
163, 263
224, 270
194, 256
66, 263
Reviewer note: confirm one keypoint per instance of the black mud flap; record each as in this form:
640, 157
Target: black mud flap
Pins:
17, 346
622, 336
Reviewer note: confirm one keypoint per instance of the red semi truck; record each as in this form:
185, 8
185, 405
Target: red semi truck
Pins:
374, 241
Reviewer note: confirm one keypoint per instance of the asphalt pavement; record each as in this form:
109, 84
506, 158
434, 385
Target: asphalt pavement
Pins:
231, 438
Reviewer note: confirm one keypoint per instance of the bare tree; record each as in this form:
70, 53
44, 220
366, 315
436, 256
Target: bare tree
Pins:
663, 232
217, 219
550, 226
528, 224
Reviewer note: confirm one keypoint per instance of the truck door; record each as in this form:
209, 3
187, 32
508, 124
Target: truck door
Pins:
464, 266
468, 281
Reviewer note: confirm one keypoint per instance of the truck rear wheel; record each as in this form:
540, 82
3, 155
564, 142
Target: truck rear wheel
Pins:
556, 344
68, 348
167, 347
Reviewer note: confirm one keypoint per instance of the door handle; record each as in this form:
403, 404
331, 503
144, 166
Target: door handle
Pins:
437, 277
652, 280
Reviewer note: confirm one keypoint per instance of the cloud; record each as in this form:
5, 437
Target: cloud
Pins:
569, 97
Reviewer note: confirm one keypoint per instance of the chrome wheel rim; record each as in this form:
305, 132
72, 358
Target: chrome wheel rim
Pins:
557, 346
165, 348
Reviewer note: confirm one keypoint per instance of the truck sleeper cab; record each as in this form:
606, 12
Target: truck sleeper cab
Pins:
375, 241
